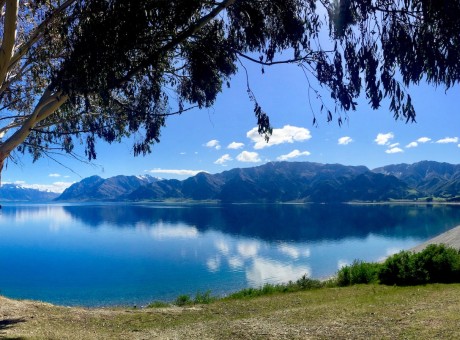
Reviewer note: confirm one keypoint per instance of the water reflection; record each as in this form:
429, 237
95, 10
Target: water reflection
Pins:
118, 254
261, 262
163, 230
280, 222
34, 213
265, 270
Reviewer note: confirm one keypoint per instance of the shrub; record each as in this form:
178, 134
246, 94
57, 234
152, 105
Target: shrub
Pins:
204, 298
440, 262
401, 269
183, 300
358, 273
435, 264
306, 283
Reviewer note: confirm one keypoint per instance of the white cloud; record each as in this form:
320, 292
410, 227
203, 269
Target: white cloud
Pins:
54, 175
384, 138
448, 140
248, 157
214, 144
423, 139
345, 140
412, 145
17, 182
235, 145
293, 154
394, 150
393, 145
287, 134
175, 172
222, 160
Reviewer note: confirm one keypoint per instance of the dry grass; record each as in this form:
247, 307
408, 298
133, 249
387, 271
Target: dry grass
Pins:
359, 312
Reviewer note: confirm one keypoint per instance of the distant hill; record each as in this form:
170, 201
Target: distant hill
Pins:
271, 182
17, 193
95, 188
428, 177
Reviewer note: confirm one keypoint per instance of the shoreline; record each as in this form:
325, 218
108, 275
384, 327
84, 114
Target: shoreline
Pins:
450, 238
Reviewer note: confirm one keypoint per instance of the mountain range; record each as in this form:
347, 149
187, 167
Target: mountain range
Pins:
271, 182
17, 193
282, 182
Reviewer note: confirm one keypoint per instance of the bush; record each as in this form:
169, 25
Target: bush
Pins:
441, 263
401, 269
305, 283
435, 264
183, 300
358, 273
204, 298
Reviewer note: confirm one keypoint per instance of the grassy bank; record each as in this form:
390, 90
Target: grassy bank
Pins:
362, 311
302, 309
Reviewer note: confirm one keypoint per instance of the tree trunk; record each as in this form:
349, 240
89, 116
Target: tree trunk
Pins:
2, 162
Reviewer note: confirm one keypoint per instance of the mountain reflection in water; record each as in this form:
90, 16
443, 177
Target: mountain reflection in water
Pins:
109, 254
278, 222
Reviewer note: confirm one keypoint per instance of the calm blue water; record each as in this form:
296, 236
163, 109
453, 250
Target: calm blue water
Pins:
114, 254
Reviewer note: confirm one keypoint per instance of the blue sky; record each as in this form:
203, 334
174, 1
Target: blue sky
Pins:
224, 137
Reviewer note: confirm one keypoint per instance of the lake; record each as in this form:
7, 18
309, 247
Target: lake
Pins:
119, 254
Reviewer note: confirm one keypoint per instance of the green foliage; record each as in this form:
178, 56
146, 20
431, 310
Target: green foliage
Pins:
441, 263
254, 292
435, 264
358, 273
183, 300
401, 269
304, 283
204, 298
120, 63
200, 298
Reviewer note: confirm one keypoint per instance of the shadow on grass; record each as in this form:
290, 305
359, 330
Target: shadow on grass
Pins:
8, 323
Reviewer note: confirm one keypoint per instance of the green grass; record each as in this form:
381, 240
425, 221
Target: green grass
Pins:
352, 305
355, 312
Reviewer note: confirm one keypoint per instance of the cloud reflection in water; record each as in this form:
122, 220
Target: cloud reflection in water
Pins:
259, 261
269, 271
165, 230
293, 252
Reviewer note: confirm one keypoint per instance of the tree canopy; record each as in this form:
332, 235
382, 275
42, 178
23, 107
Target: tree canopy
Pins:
77, 71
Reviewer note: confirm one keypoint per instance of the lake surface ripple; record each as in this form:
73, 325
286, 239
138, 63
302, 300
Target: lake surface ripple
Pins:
117, 254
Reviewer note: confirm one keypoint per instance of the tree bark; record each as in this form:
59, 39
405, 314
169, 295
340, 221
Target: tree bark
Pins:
46, 106
9, 37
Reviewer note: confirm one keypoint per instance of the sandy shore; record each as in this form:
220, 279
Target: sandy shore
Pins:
450, 238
